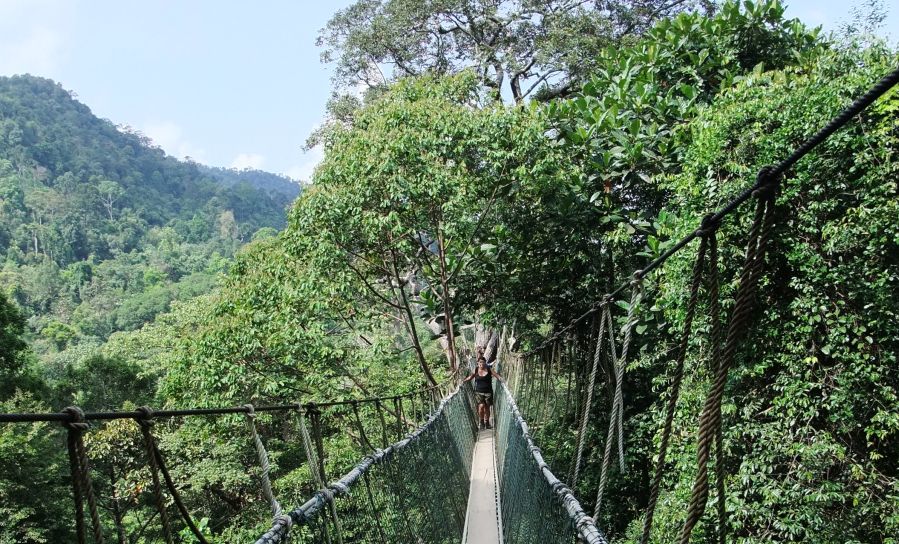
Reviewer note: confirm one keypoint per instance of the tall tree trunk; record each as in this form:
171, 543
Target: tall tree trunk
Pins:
410, 322
447, 304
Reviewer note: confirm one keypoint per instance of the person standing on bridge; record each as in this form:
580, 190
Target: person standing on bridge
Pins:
483, 390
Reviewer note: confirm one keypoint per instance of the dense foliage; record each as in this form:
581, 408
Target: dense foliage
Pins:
100, 231
438, 209
517, 48
811, 423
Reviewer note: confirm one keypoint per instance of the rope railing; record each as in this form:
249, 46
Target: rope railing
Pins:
533, 387
163, 487
536, 505
65, 416
414, 490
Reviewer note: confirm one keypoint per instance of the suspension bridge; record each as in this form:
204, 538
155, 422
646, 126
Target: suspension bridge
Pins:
428, 475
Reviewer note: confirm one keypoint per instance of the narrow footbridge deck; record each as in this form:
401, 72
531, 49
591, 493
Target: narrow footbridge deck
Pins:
482, 522
446, 483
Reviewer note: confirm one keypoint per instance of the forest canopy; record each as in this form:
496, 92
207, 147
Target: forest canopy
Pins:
440, 213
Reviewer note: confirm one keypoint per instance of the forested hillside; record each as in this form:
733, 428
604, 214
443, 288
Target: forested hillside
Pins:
440, 212
100, 231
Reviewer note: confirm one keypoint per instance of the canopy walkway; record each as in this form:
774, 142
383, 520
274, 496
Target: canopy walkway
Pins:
440, 480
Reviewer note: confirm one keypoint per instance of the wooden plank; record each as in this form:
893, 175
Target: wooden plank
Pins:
481, 521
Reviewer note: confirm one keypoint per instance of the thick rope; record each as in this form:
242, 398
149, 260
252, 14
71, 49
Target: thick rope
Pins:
717, 339
264, 464
674, 389
616, 417
312, 460
607, 453
636, 297
170, 485
710, 420
146, 423
81, 478
582, 431
315, 418
363, 438
380, 408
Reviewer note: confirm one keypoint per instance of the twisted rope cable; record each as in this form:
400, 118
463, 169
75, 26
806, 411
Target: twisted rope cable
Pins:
717, 337
262, 454
146, 423
76, 488
616, 418
173, 490
674, 389
315, 417
607, 453
312, 459
81, 478
588, 405
363, 438
710, 419
636, 297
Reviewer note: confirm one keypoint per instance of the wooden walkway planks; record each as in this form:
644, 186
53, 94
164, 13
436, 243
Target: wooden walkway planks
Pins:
482, 524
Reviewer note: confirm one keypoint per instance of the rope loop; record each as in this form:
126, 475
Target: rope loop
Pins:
285, 520
765, 183
79, 464
145, 419
708, 226
312, 409
251, 411
326, 494
76, 419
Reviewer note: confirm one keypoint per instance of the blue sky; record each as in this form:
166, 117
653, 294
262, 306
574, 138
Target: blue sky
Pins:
234, 84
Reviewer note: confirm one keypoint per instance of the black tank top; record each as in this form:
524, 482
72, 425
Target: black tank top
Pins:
483, 384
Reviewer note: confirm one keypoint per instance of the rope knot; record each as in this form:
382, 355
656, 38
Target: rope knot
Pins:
286, 520
637, 278
326, 494
708, 226
145, 416
251, 412
76, 419
765, 183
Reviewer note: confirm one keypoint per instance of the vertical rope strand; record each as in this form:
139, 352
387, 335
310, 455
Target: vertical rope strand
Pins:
711, 414
264, 465
585, 418
146, 423
717, 336
674, 390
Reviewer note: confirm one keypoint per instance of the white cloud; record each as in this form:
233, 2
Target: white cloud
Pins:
252, 161
170, 137
304, 170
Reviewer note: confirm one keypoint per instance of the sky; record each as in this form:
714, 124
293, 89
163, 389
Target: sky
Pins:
227, 83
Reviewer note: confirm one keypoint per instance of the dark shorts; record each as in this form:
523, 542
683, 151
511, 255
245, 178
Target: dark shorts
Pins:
484, 398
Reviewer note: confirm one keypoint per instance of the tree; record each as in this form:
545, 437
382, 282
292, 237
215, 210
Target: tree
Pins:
518, 47
12, 325
441, 173
110, 193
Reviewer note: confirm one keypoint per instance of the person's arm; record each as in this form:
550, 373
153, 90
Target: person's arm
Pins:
497, 376
468, 379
